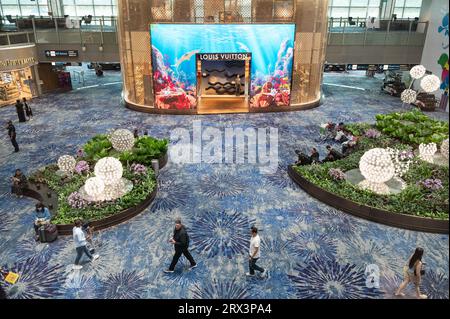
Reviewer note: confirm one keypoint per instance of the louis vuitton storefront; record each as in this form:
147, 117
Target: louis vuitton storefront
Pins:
18, 73
216, 56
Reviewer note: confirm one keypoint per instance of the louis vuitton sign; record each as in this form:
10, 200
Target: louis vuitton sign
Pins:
223, 56
23, 62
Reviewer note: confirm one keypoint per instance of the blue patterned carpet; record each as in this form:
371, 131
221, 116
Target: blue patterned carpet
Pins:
309, 249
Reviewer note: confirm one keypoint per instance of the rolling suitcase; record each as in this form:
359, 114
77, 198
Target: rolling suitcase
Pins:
41, 234
51, 233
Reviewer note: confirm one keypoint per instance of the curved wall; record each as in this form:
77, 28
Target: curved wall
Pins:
135, 17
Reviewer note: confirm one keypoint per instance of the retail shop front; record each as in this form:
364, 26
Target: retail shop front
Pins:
18, 76
186, 66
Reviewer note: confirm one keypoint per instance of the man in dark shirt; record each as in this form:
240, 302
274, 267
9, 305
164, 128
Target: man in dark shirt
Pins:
303, 159
12, 135
180, 241
314, 155
332, 155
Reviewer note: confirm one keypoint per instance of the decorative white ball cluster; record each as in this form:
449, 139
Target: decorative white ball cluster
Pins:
109, 169
444, 148
401, 167
417, 71
408, 96
122, 140
430, 83
94, 187
426, 152
376, 165
67, 163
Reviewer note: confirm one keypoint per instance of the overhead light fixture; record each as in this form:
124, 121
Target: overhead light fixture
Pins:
100, 48
83, 48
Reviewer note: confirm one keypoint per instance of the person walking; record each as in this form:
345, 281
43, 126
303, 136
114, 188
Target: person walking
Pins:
19, 183
30, 83
12, 135
28, 110
20, 111
254, 253
413, 272
80, 245
180, 241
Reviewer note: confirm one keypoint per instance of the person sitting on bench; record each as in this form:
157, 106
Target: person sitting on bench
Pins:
304, 159
42, 217
332, 155
314, 157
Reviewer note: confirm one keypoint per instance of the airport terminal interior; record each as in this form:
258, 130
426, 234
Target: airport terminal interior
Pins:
284, 149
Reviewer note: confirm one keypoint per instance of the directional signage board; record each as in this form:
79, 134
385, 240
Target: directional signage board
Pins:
61, 53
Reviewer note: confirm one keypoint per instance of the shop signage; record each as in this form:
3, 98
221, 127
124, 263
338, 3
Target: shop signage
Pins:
61, 53
18, 62
223, 56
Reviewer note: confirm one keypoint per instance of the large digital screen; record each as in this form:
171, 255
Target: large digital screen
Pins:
174, 49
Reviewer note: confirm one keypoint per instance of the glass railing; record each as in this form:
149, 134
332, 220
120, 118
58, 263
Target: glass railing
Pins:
362, 31
86, 30
101, 30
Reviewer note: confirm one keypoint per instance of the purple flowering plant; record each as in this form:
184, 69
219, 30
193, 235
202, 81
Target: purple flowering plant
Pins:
372, 133
76, 201
432, 184
81, 153
336, 174
138, 169
405, 155
82, 167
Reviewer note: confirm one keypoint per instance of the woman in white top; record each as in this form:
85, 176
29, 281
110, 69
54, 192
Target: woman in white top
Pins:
412, 272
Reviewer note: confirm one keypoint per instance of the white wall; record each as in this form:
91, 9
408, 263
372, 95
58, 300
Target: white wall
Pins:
436, 43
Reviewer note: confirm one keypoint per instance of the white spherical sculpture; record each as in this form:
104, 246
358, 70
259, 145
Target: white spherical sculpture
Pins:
430, 83
377, 168
408, 96
427, 151
444, 148
67, 163
109, 169
94, 187
122, 140
417, 71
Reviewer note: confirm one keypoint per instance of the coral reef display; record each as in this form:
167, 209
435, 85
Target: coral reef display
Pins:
174, 62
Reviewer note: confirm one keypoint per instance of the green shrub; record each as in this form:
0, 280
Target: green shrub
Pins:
98, 147
143, 186
413, 200
145, 149
412, 127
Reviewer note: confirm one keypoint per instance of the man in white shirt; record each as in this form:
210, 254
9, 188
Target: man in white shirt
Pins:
80, 245
254, 253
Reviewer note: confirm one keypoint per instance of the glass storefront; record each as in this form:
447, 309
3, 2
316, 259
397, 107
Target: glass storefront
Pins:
16, 84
